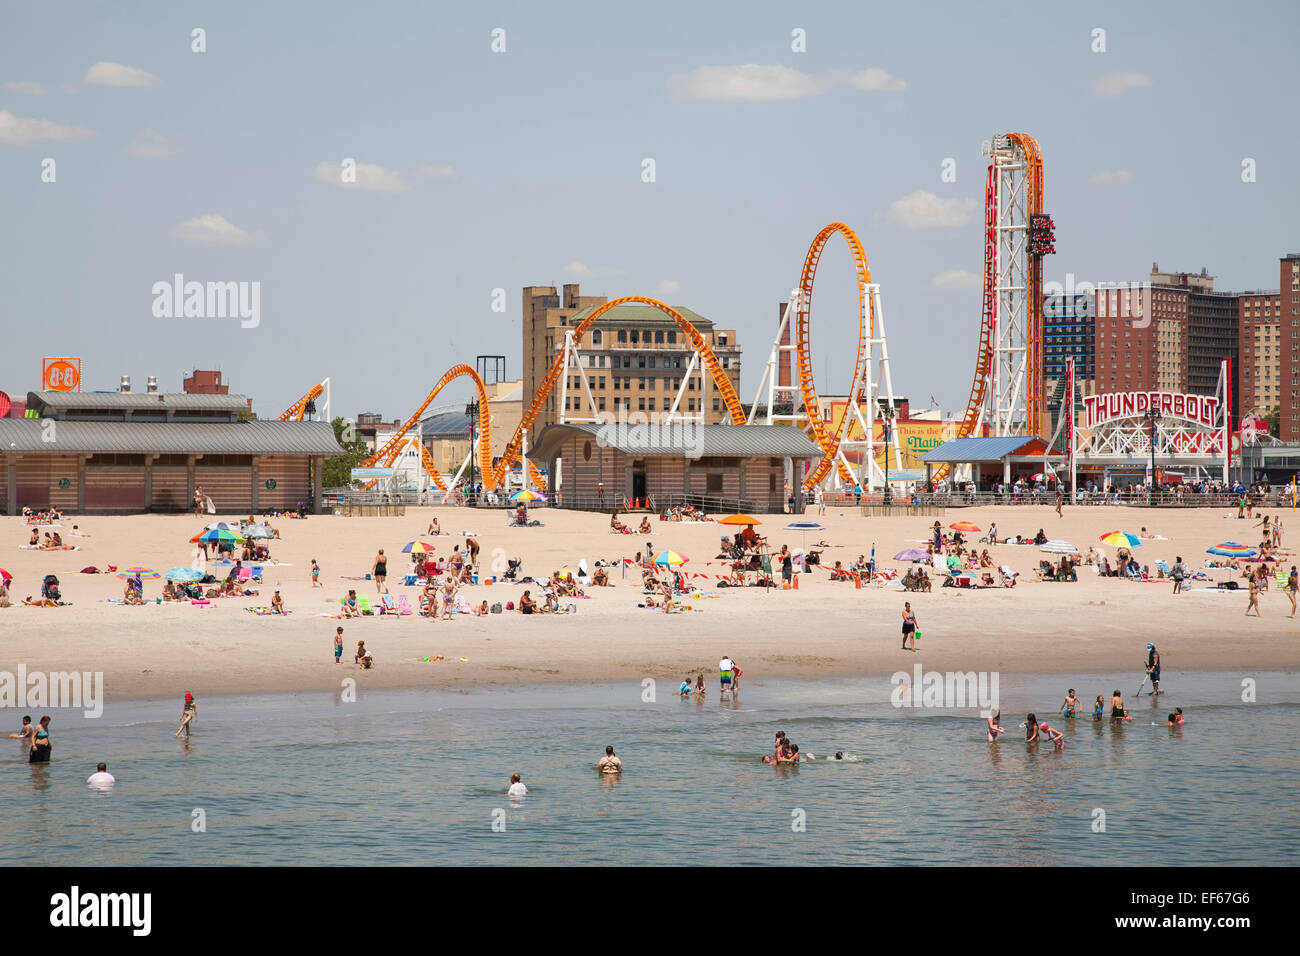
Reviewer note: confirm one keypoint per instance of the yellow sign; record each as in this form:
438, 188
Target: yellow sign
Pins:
914, 438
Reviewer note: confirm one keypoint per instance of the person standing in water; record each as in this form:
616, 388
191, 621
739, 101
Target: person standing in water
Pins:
42, 747
25, 731
610, 762
995, 728
188, 713
724, 676
1071, 704
1153, 669
1031, 729
1117, 709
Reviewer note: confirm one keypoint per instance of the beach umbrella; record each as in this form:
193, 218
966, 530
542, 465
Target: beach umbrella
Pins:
417, 547
142, 573
219, 536
670, 559
739, 519
1120, 539
911, 554
1231, 549
257, 531
6, 576
525, 496
1056, 546
183, 575
965, 526
803, 527
215, 526
1042, 477
564, 572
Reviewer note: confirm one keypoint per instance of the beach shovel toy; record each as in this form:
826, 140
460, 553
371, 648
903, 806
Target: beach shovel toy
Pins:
796, 582
857, 582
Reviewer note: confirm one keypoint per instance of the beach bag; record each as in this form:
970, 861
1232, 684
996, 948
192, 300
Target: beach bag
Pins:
90, 570
495, 608
510, 605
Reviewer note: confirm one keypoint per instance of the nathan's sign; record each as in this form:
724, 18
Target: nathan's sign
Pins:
1099, 409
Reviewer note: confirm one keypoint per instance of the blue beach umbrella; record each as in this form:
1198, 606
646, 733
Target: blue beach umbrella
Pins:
183, 575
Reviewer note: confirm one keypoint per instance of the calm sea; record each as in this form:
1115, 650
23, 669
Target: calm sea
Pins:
420, 777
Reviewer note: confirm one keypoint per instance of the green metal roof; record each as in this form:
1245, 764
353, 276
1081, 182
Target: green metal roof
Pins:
640, 316
29, 435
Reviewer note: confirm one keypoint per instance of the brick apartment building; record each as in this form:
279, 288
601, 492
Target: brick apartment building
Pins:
635, 357
1289, 300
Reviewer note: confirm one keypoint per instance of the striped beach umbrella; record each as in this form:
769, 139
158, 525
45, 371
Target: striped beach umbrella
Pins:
1057, 546
6, 577
219, 536
1120, 539
417, 547
183, 575
525, 496
1231, 549
670, 559
142, 573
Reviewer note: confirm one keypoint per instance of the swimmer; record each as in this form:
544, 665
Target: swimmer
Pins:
1070, 705
1052, 734
1031, 729
1117, 710
25, 731
188, 713
1177, 716
1098, 708
610, 762
839, 755
995, 728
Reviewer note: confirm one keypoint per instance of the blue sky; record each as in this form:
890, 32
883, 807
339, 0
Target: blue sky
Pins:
485, 170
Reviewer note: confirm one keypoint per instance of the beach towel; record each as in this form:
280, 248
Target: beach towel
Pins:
266, 610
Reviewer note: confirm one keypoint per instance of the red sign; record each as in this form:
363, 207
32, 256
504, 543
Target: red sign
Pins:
61, 375
1099, 409
5, 405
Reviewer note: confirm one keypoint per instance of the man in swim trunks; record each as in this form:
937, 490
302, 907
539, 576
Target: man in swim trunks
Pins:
1070, 705
724, 675
1153, 668
25, 731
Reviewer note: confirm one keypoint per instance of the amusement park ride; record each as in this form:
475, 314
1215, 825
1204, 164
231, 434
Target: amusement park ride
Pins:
1006, 392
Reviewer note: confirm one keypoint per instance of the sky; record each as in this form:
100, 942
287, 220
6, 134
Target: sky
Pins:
501, 145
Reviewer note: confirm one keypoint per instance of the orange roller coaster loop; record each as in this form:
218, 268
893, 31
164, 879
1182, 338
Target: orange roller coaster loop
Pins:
493, 476
822, 433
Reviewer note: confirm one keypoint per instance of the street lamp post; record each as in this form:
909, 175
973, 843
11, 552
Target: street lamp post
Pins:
471, 410
887, 417
1152, 415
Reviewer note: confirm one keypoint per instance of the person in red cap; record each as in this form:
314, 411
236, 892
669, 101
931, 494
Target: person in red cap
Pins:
187, 715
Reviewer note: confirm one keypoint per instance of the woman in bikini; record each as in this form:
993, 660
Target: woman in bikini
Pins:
1031, 729
42, 747
995, 728
188, 713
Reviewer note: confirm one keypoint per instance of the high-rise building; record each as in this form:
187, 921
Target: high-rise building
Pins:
1069, 332
204, 382
1127, 342
1259, 349
1289, 302
635, 358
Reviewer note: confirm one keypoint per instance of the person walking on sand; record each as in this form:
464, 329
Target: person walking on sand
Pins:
909, 625
315, 574
338, 645
610, 762
379, 571
1292, 583
1254, 597
1058, 501
1178, 572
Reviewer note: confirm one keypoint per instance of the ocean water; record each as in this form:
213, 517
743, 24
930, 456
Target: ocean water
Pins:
420, 777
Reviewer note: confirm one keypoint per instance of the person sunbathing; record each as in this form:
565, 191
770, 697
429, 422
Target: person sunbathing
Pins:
986, 559
169, 591
35, 540
277, 603
526, 604
363, 657
838, 573
43, 602
617, 526
466, 575
922, 580
600, 579
482, 610
644, 527
433, 527
350, 608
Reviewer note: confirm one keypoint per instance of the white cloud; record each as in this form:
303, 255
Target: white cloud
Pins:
151, 145
1111, 177
429, 171
210, 229
668, 287
579, 269
923, 210
957, 279
18, 131
369, 176
1116, 84
753, 83
119, 74
876, 80
29, 87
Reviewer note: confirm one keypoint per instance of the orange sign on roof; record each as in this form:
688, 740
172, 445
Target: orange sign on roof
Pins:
61, 375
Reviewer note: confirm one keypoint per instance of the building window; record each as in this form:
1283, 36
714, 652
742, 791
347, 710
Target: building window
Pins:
602, 403
722, 340
641, 404
652, 404
690, 404
713, 482
595, 337
717, 405
659, 338
641, 384
640, 361
672, 336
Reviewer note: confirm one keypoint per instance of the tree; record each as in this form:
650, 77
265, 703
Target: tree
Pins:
336, 472
1274, 419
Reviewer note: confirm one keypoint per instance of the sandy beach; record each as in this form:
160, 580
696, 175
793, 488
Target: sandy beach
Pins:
822, 629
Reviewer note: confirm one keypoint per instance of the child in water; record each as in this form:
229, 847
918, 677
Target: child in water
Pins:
1052, 734
1098, 709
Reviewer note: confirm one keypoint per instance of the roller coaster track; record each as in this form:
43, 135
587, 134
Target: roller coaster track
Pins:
493, 476
981, 381
822, 433
298, 409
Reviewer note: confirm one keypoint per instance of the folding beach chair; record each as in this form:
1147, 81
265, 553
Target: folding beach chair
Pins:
387, 605
404, 606
363, 602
